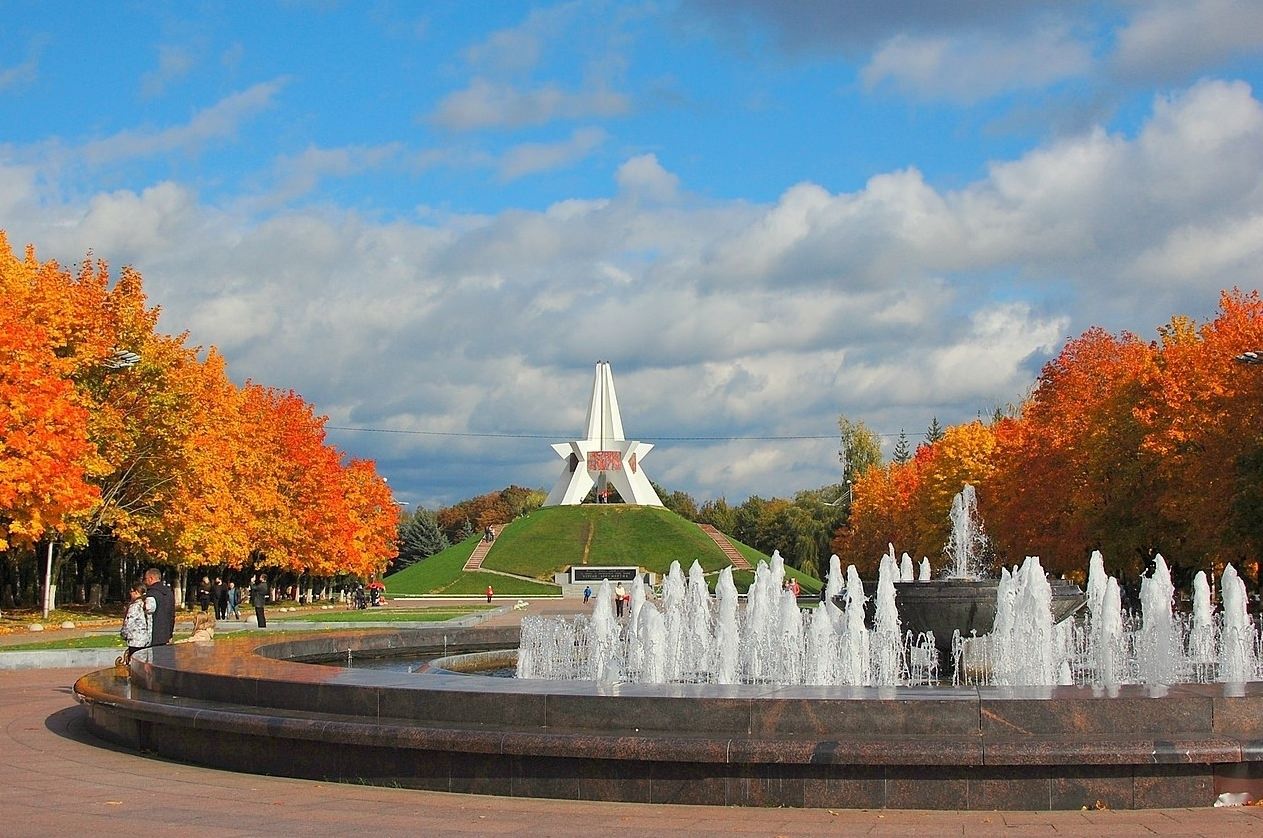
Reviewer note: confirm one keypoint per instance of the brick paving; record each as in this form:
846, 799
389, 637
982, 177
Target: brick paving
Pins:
58, 779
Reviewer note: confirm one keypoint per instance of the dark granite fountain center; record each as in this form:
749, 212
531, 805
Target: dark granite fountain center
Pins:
251, 705
968, 606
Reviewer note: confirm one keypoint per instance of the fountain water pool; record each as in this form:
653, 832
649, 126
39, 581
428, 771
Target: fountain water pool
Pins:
690, 638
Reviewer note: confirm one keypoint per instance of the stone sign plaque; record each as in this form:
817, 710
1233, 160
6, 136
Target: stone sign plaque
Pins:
597, 574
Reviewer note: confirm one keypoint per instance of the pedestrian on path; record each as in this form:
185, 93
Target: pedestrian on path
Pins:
587, 594
490, 594
259, 598
163, 625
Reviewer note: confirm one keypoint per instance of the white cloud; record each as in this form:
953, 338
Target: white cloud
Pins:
974, 67
894, 302
301, 173
174, 63
20, 74
644, 177
487, 104
530, 158
518, 48
1177, 38
218, 122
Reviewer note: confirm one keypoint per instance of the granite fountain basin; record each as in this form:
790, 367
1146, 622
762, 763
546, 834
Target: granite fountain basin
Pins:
257, 704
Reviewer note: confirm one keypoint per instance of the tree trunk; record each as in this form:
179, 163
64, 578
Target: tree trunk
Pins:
182, 574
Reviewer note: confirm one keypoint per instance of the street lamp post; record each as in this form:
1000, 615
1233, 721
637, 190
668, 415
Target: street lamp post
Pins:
844, 496
119, 359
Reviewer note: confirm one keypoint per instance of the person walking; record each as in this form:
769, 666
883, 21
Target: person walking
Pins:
204, 594
137, 630
259, 598
587, 594
620, 596
163, 625
234, 601
220, 592
490, 594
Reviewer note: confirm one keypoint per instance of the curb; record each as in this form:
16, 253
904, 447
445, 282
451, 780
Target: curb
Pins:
59, 658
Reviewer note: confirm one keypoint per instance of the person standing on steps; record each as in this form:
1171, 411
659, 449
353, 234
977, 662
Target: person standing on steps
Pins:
259, 598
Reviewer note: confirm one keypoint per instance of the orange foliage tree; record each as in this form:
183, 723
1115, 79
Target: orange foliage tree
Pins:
116, 439
1067, 478
1124, 446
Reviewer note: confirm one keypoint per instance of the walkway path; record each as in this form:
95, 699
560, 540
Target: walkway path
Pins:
734, 555
59, 780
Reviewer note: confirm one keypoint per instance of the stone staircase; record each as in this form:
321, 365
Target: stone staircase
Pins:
480, 552
738, 561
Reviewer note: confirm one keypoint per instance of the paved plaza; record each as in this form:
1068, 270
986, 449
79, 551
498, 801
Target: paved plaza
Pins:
58, 779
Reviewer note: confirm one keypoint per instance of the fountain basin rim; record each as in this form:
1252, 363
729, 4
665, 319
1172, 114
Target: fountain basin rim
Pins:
553, 739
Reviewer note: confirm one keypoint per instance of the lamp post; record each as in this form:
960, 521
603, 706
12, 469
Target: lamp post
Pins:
1252, 357
844, 496
119, 359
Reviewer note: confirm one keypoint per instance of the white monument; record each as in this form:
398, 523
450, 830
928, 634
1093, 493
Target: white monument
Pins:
604, 457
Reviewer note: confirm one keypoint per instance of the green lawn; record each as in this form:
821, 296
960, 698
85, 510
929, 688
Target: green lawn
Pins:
95, 641
548, 540
443, 574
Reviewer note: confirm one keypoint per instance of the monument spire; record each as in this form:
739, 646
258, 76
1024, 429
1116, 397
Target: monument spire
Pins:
604, 457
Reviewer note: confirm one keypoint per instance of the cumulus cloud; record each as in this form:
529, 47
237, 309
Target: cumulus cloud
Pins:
893, 302
644, 177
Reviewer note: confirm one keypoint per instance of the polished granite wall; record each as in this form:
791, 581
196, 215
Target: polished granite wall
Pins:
246, 705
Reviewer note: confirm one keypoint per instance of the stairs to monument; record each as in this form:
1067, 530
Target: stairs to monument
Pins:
738, 561
480, 552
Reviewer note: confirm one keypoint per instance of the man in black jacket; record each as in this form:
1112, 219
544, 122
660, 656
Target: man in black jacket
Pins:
164, 614
259, 598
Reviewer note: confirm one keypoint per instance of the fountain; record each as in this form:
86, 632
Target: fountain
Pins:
693, 699
963, 599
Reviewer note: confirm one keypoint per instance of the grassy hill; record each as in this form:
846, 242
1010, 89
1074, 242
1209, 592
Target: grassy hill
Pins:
615, 534
548, 540
442, 575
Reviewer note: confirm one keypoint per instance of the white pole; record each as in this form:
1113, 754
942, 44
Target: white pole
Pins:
48, 580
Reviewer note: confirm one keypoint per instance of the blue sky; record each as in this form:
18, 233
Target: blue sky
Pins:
435, 217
